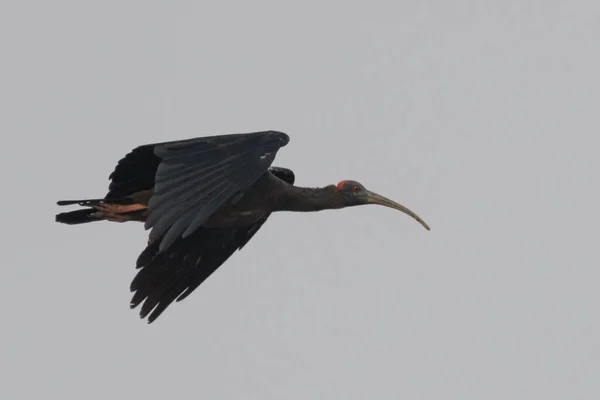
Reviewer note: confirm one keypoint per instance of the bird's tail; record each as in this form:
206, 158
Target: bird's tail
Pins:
80, 216
118, 210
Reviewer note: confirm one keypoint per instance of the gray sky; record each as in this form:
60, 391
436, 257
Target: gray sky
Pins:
481, 116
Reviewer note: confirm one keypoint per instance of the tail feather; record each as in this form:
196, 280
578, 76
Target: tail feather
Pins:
81, 216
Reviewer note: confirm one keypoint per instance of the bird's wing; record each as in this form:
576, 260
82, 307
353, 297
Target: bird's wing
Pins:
195, 177
176, 273
134, 173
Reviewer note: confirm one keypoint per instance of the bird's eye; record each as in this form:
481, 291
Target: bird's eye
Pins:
356, 188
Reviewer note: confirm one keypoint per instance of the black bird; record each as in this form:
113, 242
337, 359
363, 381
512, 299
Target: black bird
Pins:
203, 199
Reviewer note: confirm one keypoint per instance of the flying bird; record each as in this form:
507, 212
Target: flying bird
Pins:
202, 199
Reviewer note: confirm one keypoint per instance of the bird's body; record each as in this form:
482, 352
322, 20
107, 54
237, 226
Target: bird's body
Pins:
252, 204
204, 199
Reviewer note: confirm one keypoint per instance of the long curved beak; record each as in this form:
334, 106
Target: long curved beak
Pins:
374, 198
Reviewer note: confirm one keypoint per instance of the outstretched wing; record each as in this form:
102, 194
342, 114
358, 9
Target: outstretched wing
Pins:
134, 173
175, 273
195, 177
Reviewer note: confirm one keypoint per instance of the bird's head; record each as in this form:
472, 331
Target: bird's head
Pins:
355, 194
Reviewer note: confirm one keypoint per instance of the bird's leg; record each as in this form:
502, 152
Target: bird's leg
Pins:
122, 213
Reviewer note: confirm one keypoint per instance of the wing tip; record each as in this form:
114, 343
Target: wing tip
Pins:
283, 137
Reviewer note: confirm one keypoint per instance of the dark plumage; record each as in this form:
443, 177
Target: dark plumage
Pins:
203, 199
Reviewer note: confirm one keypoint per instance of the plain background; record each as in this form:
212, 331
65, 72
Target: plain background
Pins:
482, 116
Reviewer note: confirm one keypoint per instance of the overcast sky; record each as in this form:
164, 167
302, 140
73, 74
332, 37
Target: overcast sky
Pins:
481, 116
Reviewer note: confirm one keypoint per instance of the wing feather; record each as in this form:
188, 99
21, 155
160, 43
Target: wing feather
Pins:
184, 199
174, 274
134, 172
210, 171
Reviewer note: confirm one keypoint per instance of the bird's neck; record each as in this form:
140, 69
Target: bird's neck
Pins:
294, 198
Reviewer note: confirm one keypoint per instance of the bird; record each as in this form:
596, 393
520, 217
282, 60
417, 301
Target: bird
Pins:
203, 199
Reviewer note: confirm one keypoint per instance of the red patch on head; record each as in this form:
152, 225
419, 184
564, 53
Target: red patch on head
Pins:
341, 185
